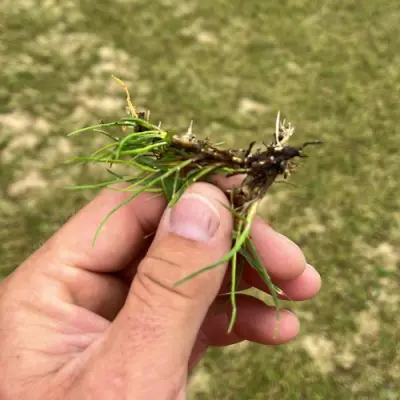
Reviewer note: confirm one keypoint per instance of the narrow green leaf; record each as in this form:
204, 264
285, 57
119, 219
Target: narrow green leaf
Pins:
106, 134
93, 127
233, 293
98, 185
238, 244
136, 193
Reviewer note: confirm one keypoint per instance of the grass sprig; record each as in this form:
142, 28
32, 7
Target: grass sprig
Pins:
168, 163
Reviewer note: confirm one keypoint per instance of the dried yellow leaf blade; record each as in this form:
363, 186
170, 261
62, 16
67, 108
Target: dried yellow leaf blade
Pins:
131, 107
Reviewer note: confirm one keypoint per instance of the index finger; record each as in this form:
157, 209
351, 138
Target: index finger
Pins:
120, 240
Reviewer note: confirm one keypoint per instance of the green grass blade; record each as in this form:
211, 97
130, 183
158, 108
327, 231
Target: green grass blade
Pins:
138, 182
258, 265
113, 173
194, 176
136, 193
106, 134
93, 127
135, 135
141, 150
233, 293
238, 244
104, 148
98, 185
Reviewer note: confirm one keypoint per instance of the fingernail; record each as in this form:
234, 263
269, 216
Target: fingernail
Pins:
194, 217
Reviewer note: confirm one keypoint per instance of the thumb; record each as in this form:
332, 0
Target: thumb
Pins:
195, 233
154, 333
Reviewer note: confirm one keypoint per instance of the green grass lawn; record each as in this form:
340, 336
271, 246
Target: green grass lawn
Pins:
332, 68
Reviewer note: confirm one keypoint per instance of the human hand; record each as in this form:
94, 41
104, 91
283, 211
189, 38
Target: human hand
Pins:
105, 322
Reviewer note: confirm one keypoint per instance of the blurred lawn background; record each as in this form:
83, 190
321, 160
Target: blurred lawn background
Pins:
331, 67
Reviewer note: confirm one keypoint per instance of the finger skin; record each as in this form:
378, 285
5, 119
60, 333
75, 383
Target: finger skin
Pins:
227, 183
282, 258
256, 322
70, 257
146, 350
283, 261
304, 287
160, 319
120, 239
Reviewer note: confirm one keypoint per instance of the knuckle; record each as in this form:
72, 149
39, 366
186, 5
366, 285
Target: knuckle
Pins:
155, 286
